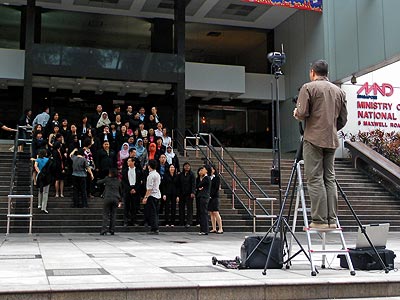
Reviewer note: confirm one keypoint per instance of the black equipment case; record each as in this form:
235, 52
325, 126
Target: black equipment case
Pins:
366, 259
258, 259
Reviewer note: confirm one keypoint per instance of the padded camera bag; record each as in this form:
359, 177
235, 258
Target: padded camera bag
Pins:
366, 259
258, 259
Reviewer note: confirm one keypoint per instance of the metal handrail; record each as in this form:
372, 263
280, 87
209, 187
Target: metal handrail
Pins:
222, 177
13, 197
226, 166
14, 162
235, 180
238, 165
232, 173
235, 195
176, 137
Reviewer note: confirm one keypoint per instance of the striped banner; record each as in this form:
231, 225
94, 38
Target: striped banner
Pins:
314, 5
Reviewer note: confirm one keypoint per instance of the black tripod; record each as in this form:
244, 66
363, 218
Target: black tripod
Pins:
277, 59
362, 228
281, 224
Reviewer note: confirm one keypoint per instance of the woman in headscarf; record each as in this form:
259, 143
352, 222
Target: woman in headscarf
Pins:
172, 159
152, 150
103, 121
131, 142
141, 153
121, 156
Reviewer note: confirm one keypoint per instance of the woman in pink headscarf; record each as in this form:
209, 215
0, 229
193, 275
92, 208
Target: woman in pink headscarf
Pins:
122, 155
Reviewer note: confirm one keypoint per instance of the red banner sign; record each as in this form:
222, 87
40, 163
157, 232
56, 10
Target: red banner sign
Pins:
314, 5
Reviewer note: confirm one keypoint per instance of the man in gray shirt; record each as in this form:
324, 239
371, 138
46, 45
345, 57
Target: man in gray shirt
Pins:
322, 105
80, 168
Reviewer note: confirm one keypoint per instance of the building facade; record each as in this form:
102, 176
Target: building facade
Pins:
202, 62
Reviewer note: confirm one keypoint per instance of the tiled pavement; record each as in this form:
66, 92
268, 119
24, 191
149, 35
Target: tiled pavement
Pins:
170, 266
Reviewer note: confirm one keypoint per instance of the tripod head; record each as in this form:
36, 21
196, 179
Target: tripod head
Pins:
277, 60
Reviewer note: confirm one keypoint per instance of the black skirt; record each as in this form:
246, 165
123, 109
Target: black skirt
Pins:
213, 204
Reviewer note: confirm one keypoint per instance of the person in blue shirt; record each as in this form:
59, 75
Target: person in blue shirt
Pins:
42, 180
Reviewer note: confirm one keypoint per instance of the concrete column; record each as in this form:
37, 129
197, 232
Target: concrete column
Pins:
179, 42
29, 21
162, 35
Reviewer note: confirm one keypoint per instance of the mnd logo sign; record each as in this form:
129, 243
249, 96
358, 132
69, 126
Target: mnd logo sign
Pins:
314, 5
376, 106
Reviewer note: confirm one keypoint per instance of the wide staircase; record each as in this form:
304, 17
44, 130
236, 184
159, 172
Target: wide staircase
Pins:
371, 202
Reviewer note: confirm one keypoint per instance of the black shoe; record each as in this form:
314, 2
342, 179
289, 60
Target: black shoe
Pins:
103, 233
112, 232
203, 233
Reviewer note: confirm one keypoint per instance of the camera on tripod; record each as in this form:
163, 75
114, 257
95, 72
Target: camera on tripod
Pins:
277, 59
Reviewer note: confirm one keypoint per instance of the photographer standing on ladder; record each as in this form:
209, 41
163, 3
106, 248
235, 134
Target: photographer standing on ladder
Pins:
322, 105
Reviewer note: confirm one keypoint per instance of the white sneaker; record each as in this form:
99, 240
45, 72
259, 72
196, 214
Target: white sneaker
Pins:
11, 149
39, 206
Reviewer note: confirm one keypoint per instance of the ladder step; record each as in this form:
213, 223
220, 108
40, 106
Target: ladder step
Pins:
266, 199
323, 230
19, 216
341, 251
301, 210
19, 196
265, 216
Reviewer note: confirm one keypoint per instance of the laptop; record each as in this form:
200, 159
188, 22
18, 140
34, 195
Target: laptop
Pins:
377, 233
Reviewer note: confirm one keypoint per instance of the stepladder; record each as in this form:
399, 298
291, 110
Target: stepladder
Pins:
317, 237
11, 210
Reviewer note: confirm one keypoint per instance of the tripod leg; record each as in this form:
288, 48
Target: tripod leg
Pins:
362, 228
260, 242
269, 253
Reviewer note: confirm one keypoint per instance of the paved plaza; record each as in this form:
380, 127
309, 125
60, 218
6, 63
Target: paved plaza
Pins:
51, 266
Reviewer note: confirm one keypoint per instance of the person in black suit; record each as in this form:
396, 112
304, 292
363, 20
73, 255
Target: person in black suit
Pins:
106, 159
112, 195
186, 192
213, 204
132, 184
203, 188
169, 192
96, 116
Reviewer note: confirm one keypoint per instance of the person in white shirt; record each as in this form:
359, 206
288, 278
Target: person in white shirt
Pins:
152, 197
167, 141
159, 130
